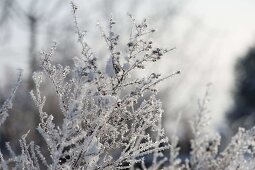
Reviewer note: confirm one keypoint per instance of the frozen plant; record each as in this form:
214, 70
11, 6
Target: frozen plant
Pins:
205, 154
7, 105
113, 121
105, 125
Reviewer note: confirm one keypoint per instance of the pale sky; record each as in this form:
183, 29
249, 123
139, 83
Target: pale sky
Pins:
233, 20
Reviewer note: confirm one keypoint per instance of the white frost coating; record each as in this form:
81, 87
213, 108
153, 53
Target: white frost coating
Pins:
109, 68
9, 101
104, 124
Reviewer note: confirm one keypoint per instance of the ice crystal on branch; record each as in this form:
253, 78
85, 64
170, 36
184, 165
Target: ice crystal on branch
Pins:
7, 105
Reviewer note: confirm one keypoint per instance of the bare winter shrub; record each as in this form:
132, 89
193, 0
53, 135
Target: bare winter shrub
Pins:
104, 125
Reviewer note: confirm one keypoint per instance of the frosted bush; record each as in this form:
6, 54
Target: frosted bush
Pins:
108, 122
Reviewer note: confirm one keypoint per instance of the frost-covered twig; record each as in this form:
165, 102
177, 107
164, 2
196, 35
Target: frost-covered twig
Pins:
9, 101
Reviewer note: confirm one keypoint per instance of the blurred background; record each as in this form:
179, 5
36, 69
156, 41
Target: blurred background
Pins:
214, 42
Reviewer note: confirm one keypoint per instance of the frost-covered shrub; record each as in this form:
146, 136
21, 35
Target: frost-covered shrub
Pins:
104, 125
108, 123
